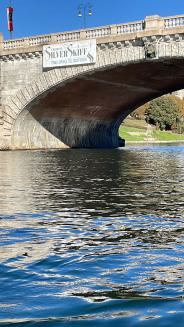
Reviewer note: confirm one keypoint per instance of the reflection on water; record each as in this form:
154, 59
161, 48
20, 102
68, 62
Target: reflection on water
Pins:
92, 238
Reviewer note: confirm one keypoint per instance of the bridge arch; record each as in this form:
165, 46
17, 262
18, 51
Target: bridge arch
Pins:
83, 106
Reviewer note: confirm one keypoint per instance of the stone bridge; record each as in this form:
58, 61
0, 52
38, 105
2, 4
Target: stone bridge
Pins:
83, 105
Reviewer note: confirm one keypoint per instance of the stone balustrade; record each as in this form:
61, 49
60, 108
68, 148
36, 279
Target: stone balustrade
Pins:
97, 32
171, 22
150, 22
130, 28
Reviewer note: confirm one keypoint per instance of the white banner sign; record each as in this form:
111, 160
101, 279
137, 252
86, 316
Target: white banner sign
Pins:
69, 54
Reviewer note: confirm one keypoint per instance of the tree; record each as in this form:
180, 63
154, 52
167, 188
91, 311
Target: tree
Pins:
163, 112
139, 113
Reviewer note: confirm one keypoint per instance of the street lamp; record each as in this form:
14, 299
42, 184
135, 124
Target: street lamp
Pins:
84, 10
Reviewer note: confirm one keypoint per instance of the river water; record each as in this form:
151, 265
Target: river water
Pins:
92, 237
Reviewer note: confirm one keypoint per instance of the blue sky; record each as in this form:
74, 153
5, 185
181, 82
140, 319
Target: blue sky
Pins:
32, 17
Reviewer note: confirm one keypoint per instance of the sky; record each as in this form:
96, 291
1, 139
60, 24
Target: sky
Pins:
35, 17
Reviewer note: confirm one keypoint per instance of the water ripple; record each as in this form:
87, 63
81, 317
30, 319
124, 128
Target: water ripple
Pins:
92, 238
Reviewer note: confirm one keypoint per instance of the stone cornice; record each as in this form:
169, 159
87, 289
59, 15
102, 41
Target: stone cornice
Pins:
111, 43
20, 56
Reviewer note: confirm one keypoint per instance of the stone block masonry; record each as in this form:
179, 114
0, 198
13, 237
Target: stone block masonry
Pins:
83, 106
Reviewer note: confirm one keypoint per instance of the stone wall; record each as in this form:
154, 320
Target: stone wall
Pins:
18, 71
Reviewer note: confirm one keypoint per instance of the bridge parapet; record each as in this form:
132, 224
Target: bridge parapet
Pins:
155, 23
173, 21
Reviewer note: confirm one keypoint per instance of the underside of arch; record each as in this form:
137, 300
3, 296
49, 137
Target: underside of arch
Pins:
87, 111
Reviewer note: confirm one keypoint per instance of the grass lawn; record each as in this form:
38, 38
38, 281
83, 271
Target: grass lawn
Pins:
131, 133
136, 130
167, 136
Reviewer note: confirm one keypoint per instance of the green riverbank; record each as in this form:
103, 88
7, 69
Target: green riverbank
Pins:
139, 131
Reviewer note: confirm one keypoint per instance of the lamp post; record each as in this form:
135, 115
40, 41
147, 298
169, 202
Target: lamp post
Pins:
83, 10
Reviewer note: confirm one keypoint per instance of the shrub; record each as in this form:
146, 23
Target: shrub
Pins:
163, 112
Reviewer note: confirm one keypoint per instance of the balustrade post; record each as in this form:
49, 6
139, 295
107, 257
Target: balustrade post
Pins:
26, 42
113, 30
82, 34
54, 39
154, 22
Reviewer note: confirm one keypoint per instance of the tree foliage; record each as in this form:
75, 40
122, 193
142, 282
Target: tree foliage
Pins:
139, 113
164, 112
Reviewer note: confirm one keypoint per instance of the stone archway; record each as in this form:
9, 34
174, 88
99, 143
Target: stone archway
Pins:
83, 106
